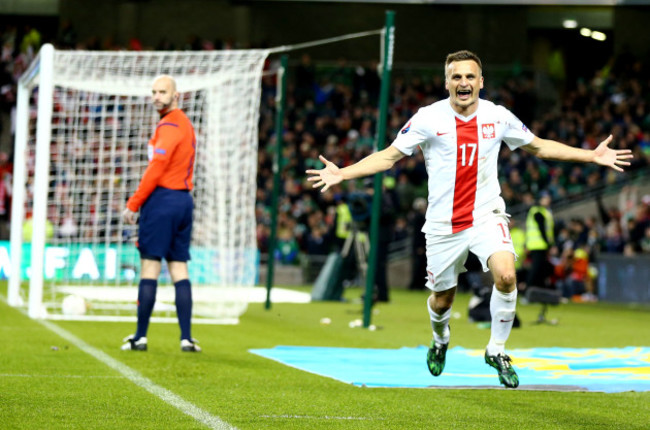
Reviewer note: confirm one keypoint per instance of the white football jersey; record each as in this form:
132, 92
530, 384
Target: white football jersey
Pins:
461, 155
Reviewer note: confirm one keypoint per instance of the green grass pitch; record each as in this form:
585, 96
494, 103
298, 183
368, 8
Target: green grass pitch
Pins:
48, 383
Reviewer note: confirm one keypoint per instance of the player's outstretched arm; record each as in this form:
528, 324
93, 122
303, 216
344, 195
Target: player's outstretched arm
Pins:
331, 174
603, 154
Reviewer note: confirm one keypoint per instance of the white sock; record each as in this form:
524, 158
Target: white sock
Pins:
440, 325
502, 309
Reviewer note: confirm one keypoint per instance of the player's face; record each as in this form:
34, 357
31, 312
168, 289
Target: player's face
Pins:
164, 95
464, 82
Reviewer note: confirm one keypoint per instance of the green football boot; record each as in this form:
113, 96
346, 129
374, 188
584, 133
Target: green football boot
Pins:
436, 357
507, 375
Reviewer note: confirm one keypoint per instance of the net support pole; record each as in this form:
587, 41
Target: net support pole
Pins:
18, 197
387, 65
41, 175
280, 101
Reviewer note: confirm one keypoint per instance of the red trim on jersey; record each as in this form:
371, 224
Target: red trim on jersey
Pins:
465, 185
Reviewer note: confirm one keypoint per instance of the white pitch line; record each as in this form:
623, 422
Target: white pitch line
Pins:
164, 394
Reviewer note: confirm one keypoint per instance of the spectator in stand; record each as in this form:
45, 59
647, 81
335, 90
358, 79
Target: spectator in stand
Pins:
67, 37
574, 277
31, 41
641, 223
287, 247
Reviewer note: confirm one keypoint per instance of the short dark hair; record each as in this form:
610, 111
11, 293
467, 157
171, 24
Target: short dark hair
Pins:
463, 55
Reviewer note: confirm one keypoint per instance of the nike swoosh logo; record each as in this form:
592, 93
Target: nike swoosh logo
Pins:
440, 134
506, 321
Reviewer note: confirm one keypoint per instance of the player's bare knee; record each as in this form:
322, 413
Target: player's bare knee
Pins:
178, 270
441, 302
506, 282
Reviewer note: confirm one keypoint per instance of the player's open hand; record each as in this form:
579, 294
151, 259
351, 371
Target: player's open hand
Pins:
605, 156
326, 177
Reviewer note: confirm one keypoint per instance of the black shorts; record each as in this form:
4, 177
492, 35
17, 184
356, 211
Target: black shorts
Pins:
166, 225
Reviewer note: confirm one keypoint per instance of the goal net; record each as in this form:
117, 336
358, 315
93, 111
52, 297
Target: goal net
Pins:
84, 120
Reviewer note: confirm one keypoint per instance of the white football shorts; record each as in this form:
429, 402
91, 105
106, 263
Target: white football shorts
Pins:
446, 254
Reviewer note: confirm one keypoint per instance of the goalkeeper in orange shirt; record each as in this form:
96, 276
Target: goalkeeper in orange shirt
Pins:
165, 204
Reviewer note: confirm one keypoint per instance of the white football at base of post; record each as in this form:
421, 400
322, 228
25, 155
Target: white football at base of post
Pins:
73, 305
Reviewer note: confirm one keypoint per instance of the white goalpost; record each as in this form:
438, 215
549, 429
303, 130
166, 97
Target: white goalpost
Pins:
82, 126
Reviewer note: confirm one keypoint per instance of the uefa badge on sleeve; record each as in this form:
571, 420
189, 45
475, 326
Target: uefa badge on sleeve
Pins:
406, 128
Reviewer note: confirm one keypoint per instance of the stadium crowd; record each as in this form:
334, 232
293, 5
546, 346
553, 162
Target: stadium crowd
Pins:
332, 110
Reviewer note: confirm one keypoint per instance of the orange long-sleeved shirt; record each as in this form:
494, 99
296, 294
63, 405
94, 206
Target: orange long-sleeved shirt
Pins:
171, 158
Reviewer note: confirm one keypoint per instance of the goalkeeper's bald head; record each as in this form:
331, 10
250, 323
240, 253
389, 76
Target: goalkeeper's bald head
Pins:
166, 79
164, 94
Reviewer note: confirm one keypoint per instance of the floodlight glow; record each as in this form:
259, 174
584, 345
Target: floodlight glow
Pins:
597, 35
570, 23
585, 32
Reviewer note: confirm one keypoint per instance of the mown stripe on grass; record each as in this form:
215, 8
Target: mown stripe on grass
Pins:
30, 375
324, 417
164, 394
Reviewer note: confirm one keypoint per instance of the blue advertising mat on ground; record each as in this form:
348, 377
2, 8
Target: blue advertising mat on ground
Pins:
609, 370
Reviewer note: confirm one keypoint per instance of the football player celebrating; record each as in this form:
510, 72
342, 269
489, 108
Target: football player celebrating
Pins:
460, 138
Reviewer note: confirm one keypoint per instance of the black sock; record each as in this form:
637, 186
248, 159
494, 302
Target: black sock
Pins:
184, 307
146, 300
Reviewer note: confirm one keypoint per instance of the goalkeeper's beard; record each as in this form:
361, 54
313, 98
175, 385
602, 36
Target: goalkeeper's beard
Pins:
165, 108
